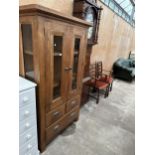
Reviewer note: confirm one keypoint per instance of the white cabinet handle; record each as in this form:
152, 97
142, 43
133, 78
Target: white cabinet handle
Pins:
25, 99
28, 136
26, 113
27, 125
29, 146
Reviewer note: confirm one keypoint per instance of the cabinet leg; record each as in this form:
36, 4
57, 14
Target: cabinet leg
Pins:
77, 119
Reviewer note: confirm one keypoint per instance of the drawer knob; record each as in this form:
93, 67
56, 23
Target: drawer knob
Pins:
25, 99
73, 102
26, 113
28, 136
72, 114
29, 146
56, 113
27, 125
56, 127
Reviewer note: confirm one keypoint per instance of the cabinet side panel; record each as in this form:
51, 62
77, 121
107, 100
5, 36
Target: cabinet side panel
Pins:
39, 71
41, 106
21, 60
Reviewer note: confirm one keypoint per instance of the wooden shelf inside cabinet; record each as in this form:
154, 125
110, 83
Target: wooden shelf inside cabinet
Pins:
28, 53
56, 84
76, 53
58, 54
30, 74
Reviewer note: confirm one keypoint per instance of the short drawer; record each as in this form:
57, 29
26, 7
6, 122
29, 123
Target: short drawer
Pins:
53, 130
26, 97
54, 115
28, 147
73, 103
27, 124
27, 111
71, 116
28, 136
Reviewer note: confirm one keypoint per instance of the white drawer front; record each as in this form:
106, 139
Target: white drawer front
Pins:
26, 97
27, 111
27, 136
34, 151
28, 147
27, 124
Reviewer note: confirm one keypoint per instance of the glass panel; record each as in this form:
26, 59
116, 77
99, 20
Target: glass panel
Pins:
75, 63
120, 12
58, 40
116, 9
123, 15
111, 5
106, 1
28, 50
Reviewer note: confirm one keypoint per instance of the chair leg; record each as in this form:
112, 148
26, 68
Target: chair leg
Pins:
88, 92
107, 91
98, 96
111, 84
94, 90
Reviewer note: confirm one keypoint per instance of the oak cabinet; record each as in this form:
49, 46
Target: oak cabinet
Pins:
52, 53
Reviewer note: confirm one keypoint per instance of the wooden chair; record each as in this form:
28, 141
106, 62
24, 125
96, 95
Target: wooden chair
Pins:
96, 84
104, 75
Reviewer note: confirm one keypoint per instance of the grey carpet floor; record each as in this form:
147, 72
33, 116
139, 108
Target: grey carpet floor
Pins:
104, 129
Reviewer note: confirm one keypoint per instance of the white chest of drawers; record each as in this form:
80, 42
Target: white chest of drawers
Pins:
28, 141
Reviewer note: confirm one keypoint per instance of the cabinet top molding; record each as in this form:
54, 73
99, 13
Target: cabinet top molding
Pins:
34, 9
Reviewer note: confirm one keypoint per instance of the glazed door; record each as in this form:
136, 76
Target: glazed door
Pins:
77, 61
27, 61
57, 63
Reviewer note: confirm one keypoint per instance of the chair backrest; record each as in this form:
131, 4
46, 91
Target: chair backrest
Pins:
92, 71
100, 72
99, 69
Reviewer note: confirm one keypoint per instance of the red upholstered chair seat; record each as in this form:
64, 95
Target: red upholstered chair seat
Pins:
107, 79
101, 85
97, 84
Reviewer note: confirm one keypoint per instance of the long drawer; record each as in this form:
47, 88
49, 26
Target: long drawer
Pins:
53, 130
26, 97
71, 104
54, 115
